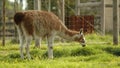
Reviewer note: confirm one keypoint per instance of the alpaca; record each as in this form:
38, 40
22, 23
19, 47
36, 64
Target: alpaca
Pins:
40, 24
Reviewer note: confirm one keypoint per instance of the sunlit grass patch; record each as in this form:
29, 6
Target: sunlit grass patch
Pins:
96, 38
66, 55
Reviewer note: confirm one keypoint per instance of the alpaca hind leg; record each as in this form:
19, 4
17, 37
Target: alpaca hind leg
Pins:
21, 47
21, 40
28, 40
38, 42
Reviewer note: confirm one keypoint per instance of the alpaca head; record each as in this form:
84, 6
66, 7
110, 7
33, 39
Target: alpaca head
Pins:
80, 38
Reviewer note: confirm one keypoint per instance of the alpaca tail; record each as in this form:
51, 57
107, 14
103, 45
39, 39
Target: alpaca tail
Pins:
18, 18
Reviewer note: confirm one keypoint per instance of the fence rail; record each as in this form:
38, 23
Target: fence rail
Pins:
9, 30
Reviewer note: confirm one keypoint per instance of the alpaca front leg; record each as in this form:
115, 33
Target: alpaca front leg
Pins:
50, 47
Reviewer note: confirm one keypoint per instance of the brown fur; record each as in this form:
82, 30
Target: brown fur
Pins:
41, 23
71, 33
18, 18
40, 18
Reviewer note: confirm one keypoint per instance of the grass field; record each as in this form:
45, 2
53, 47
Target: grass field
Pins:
99, 53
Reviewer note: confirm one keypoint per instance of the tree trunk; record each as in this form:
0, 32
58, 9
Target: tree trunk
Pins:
3, 42
115, 22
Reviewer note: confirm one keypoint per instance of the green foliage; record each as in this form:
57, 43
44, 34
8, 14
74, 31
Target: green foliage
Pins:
30, 4
113, 50
14, 55
99, 38
83, 52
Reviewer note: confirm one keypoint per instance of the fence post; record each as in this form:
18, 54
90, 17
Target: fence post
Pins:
61, 10
16, 39
115, 22
37, 4
103, 17
77, 8
49, 5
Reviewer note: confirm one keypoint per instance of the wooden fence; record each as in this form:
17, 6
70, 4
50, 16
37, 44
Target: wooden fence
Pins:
9, 30
77, 22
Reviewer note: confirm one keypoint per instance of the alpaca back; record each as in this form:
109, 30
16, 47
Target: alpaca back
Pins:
40, 22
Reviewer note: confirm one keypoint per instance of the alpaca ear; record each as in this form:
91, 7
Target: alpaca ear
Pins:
81, 31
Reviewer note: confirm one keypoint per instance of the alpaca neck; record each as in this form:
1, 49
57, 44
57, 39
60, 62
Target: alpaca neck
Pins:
69, 35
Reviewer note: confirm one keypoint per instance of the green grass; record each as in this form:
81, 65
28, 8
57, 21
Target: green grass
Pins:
66, 55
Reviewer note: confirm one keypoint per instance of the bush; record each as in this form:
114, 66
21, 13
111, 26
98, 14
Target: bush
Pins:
35, 53
59, 52
14, 55
62, 52
113, 50
83, 52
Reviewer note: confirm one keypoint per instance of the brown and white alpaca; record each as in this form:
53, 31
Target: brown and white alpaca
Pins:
42, 24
